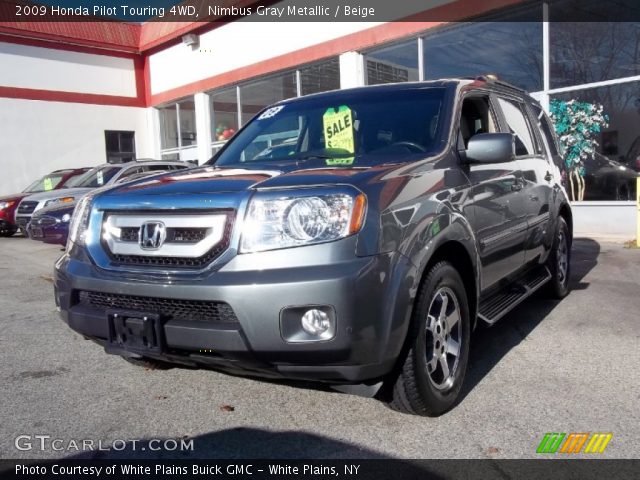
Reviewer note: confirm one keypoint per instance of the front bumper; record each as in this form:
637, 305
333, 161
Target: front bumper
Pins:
6, 225
369, 295
22, 221
54, 234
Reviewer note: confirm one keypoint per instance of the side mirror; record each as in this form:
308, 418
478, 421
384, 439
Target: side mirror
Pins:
491, 148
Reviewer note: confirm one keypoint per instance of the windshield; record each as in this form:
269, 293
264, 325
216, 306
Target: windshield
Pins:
342, 130
46, 183
73, 180
96, 177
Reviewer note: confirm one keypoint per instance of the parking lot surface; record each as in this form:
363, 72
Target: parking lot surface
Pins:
569, 366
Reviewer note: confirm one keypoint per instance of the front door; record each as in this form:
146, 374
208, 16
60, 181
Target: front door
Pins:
495, 205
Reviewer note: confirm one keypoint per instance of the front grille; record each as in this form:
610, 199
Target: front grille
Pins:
129, 234
176, 262
174, 235
43, 221
194, 310
27, 207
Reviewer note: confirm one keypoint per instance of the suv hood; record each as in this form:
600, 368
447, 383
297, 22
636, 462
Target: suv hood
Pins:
13, 198
62, 192
218, 180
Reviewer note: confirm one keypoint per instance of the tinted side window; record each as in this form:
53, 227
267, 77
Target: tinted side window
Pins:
475, 117
131, 171
517, 123
547, 129
158, 168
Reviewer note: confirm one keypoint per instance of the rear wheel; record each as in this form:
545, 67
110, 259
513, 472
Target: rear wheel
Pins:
432, 371
559, 262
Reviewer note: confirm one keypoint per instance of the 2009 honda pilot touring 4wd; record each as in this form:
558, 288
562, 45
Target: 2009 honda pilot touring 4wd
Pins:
354, 238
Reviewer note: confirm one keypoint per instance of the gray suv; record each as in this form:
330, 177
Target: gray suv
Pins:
354, 238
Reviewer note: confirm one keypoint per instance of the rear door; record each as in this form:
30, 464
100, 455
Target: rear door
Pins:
533, 162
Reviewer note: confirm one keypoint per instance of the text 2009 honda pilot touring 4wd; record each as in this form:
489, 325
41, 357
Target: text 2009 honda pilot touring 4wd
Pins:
354, 237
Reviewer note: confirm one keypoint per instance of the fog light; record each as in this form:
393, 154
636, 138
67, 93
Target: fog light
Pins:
315, 322
308, 323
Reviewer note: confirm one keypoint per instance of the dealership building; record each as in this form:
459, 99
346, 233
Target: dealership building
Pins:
78, 94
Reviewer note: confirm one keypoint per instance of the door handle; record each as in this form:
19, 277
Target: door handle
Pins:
548, 177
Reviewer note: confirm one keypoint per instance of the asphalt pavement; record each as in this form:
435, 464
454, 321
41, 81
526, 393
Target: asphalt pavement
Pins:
569, 366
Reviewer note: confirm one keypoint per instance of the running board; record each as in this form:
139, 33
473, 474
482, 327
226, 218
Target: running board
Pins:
496, 306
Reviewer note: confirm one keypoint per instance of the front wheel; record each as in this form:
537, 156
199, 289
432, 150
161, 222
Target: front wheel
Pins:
429, 379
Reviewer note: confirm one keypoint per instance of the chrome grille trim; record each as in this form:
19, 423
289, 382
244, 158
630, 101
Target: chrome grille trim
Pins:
213, 223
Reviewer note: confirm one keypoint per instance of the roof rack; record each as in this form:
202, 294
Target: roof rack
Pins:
493, 78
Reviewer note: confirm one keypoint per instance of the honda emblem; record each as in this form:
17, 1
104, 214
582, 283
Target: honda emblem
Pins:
152, 235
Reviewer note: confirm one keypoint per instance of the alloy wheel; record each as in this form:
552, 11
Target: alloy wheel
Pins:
443, 338
562, 256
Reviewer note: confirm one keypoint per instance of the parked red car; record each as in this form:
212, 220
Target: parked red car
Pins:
52, 181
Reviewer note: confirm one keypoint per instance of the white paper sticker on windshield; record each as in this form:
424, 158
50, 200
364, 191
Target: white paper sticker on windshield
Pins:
270, 112
100, 178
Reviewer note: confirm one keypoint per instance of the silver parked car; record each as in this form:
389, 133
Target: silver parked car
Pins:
100, 176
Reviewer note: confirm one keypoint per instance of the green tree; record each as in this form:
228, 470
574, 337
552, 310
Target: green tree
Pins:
577, 125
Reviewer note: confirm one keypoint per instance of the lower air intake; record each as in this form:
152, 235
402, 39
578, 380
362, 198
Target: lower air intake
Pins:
191, 310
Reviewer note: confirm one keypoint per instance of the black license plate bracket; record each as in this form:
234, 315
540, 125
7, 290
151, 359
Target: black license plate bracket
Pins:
136, 332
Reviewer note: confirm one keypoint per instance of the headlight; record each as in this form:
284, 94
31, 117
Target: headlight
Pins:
4, 205
59, 200
274, 221
80, 221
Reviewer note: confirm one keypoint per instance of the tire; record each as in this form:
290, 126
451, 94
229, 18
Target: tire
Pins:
147, 363
623, 192
559, 262
417, 388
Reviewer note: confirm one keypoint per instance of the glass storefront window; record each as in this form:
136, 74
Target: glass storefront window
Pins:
256, 95
187, 115
320, 77
395, 63
511, 50
611, 173
224, 114
168, 127
592, 52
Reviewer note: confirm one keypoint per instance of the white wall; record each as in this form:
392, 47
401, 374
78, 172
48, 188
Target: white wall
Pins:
37, 137
48, 69
613, 220
237, 45
241, 43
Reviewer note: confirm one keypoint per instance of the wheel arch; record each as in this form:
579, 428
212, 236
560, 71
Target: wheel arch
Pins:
457, 254
455, 243
565, 212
